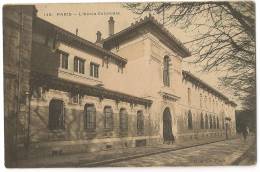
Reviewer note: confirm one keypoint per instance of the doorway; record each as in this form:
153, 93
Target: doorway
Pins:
167, 126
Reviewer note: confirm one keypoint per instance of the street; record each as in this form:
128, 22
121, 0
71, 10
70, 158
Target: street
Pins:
214, 154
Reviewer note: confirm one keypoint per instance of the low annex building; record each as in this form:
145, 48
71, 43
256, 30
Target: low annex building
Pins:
126, 90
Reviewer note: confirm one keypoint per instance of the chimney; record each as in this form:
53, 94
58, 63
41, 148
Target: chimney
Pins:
77, 31
111, 26
98, 36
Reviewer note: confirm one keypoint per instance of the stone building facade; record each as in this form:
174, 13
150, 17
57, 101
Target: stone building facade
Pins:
126, 90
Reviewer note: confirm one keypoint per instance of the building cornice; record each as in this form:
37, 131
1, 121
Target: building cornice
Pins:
74, 40
50, 81
189, 76
150, 22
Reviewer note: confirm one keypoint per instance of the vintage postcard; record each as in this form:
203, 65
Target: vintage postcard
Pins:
130, 84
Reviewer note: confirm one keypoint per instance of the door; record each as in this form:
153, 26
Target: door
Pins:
167, 126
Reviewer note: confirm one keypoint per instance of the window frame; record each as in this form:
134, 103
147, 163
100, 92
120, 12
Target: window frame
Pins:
140, 123
90, 117
166, 71
123, 121
63, 54
202, 121
108, 118
60, 124
79, 65
206, 121
190, 125
94, 70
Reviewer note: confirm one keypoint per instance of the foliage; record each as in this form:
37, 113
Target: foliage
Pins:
224, 38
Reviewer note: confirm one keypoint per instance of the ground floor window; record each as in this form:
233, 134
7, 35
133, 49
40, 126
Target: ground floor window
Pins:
189, 120
140, 123
90, 117
56, 114
217, 123
206, 121
214, 122
108, 118
210, 122
201, 121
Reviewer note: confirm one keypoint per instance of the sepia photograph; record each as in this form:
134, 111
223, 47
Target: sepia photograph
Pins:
129, 84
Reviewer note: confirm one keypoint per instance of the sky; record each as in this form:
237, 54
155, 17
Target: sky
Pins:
89, 18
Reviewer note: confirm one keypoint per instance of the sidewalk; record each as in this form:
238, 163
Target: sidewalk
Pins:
111, 156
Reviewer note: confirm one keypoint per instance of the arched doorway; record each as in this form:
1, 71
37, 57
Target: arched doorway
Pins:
167, 126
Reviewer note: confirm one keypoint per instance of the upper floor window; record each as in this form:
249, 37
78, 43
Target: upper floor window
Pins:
79, 65
166, 71
108, 118
90, 117
140, 123
94, 70
123, 121
189, 96
56, 114
64, 58
189, 120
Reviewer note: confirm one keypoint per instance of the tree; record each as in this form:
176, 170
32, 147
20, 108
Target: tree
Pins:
224, 40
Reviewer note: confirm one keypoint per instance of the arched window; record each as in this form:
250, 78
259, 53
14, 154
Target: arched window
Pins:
166, 73
140, 123
56, 114
206, 121
108, 118
201, 121
217, 123
123, 121
201, 100
189, 120
210, 122
90, 117
223, 123
214, 122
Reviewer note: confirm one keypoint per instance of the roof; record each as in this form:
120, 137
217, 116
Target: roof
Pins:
70, 38
67, 85
150, 21
187, 74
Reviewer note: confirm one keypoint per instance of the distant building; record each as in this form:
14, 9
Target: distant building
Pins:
126, 90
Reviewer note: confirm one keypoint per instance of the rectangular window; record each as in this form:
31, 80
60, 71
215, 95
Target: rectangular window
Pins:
94, 70
64, 57
79, 65
90, 117
56, 114
108, 123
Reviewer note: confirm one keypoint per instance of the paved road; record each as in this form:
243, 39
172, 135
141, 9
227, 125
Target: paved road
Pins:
250, 157
220, 153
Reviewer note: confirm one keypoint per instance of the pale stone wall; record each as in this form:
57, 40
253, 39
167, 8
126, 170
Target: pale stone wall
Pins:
142, 77
75, 138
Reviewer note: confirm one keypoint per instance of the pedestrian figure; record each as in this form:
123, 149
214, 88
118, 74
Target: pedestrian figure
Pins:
245, 133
